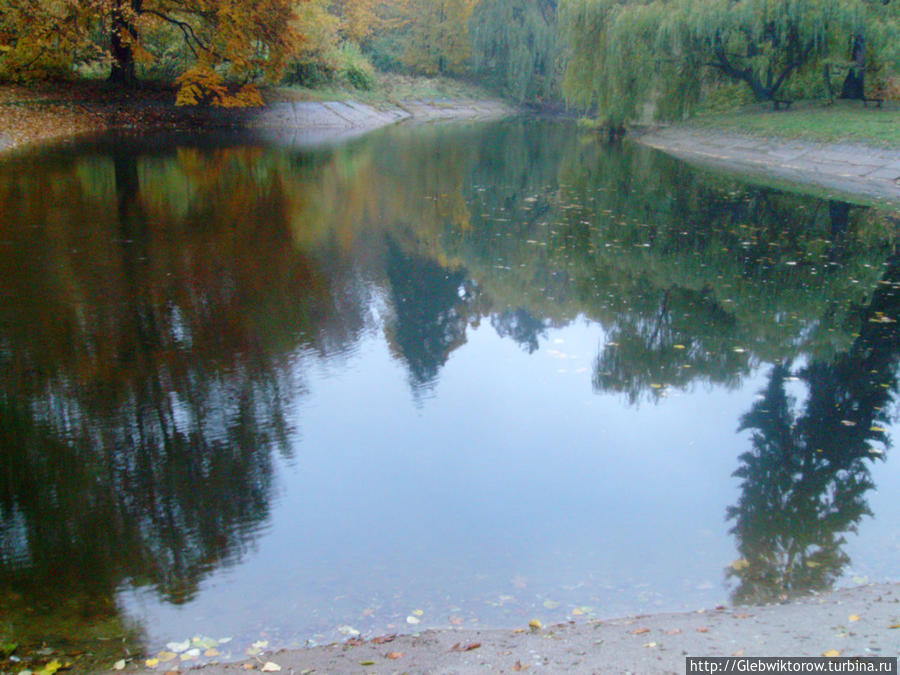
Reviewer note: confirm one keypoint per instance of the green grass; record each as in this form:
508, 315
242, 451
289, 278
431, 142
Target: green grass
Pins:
389, 90
842, 121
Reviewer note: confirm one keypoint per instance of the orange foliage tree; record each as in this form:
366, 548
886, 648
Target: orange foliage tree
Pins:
233, 43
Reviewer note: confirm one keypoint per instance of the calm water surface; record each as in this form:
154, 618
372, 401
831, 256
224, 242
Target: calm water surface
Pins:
462, 375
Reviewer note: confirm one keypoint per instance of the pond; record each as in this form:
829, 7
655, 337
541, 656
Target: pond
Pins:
453, 375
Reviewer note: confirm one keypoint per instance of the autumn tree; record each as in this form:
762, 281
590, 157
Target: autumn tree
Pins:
233, 43
436, 35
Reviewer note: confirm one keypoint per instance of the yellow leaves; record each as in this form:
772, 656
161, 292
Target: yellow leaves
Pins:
54, 665
832, 653
535, 624
270, 667
201, 84
853, 617
740, 564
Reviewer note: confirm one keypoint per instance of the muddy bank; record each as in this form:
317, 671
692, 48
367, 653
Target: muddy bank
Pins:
862, 621
40, 114
852, 170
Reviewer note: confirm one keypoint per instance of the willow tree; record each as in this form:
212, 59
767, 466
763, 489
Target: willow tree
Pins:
667, 52
230, 41
515, 46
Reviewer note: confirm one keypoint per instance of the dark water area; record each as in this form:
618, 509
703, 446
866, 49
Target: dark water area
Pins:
453, 375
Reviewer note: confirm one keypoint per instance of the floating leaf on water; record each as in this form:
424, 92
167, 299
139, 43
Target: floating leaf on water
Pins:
703, 629
894, 625
270, 667
165, 657
178, 647
261, 644
640, 631
418, 612
253, 651
853, 617
348, 630
412, 620
577, 612
212, 651
367, 663
151, 663
224, 640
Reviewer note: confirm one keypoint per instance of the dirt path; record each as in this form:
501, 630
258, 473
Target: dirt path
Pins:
850, 169
862, 621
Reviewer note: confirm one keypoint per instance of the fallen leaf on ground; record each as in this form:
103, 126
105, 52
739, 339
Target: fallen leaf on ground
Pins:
165, 657
355, 642
248, 666
832, 652
703, 629
895, 625
151, 663
367, 663
650, 645
739, 652
412, 620
395, 655
119, 665
674, 631
178, 647
261, 644
270, 667
382, 639
518, 666
640, 631
212, 651
535, 624
458, 647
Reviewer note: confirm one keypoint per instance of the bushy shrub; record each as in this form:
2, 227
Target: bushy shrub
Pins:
355, 68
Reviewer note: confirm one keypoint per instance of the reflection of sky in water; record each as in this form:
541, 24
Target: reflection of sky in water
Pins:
510, 487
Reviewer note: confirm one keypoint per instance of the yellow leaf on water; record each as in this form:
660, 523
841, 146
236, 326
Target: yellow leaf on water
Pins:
418, 612
151, 663
895, 625
832, 653
212, 651
535, 624
165, 657
577, 612
853, 617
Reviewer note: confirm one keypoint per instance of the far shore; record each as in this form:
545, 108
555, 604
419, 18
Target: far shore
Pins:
861, 621
42, 114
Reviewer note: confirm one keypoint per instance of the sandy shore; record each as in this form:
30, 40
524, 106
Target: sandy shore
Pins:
851, 170
862, 621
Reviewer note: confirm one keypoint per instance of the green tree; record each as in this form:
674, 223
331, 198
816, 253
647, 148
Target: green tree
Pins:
515, 47
668, 52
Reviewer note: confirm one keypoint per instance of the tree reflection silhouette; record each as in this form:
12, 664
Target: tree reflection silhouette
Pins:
804, 482
145, 370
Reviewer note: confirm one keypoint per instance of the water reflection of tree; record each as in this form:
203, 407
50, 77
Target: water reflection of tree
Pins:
145, 366
804, 482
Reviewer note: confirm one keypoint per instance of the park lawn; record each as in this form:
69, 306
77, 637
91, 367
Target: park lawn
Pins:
840, 122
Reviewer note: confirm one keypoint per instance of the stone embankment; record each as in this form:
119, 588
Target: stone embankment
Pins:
845, 168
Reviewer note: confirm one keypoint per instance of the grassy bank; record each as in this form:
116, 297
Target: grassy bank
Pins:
840, 122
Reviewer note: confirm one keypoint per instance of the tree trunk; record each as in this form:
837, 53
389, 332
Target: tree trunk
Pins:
854, 86
123, 33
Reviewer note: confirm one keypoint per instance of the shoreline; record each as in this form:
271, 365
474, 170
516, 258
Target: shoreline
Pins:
34, 117
860, 621
855, 171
